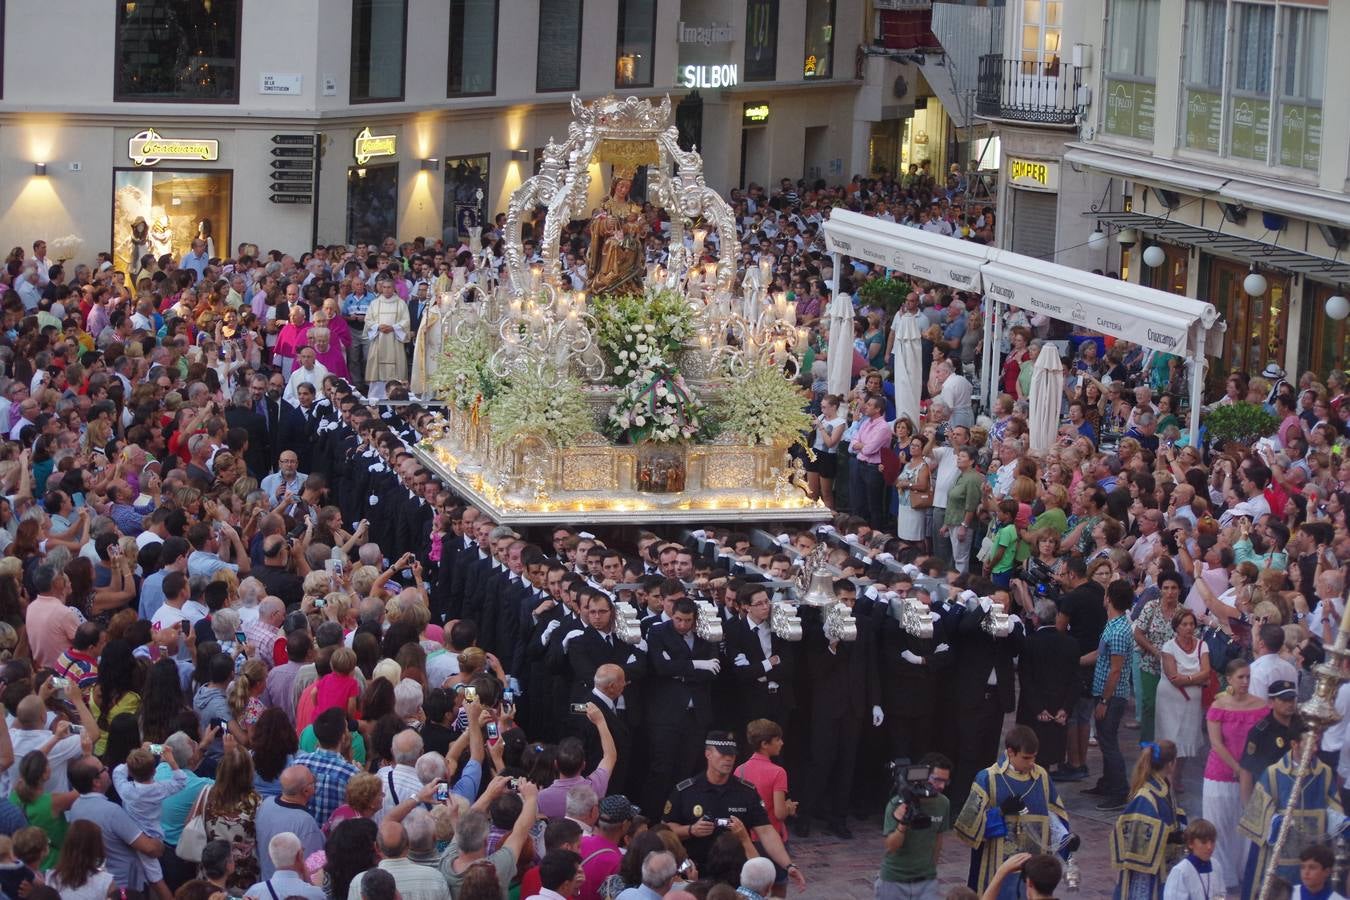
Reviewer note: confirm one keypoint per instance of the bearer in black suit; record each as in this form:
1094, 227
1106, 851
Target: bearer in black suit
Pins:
596, 646
679, 700
1048, 674
765, 664
615, 753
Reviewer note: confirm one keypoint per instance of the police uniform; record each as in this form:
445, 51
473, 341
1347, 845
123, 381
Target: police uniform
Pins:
696, 798
1267, 743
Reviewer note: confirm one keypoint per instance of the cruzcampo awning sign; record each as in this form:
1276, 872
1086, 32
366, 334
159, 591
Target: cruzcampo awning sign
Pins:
368, 146
148, 148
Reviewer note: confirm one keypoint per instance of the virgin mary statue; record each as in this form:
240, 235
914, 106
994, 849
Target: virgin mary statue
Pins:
617, 231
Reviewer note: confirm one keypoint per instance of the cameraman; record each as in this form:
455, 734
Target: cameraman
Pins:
913, 827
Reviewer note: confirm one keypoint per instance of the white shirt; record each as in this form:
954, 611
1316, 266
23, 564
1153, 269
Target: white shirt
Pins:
1267, 669
945, 475
406, 784
314, 376
25, 741
955, 394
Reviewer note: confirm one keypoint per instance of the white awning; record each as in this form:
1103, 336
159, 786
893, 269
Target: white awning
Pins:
940, 78
1134, 313
913, 251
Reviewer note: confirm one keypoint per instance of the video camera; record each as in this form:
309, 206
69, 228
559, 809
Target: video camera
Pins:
910, 784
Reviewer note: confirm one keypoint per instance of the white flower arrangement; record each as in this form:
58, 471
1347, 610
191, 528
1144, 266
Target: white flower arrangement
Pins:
764, 408
529, 404
637, 331
656, 406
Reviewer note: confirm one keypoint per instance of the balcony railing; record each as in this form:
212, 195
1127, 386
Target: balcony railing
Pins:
1027, 92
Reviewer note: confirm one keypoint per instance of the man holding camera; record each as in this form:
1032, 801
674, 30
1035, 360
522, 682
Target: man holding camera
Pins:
916, 816
701, 807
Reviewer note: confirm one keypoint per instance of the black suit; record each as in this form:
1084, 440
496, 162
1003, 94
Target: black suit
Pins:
617, 722
844, 686
589, 651
259, 463
286, 427
980, 706
679, 708
766, 692
1048, 675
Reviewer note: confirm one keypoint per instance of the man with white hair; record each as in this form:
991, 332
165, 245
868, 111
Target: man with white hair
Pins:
658, 874
955, 393
400, 779
408, 702
370, 554
470, 843
287, 856
415, 881
251, 593
289, 813
583, 807
757, 878
264, 632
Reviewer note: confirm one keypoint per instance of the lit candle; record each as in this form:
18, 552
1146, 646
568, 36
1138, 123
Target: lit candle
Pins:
515, 307
579, 301
780, 305
699, 235
765, 268
710, 273
536, 276
801, 338
779, 349
703, 342
791, 311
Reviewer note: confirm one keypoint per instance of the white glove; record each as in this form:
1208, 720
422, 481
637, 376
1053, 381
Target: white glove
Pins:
877, 717
870, 592
585, 535
783, 539
852, 539
912, 570
699, 534
827, 529
909, 657
942, 648
986, 604
708, 665
885, 557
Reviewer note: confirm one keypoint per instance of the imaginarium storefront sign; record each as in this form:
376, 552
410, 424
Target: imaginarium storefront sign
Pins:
148, 148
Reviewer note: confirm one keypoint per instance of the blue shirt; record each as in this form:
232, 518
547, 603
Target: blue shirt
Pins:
196, 263
152, 595
353, 305
331, 774
173, 812
1117, 640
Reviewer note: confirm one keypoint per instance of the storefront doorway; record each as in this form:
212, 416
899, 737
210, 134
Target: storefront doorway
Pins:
372, 203
1171, 275
1329, 347
466, 197
1257, 326
161, 211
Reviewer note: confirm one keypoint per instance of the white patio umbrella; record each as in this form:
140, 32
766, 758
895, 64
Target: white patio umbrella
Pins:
1047, 389
908, 373
839, 378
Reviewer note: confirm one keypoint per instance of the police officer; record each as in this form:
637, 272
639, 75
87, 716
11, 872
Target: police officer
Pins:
698, 804
1269, 739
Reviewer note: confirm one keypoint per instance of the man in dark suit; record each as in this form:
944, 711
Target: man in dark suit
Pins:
679, 707
597, 646
984, 688
609, 683
240, 414
475, 565
1048, 674
765, 664
845, 696
285, 425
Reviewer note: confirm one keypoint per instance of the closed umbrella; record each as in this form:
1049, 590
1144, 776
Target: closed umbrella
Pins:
908, 375
1047, 387
840, 314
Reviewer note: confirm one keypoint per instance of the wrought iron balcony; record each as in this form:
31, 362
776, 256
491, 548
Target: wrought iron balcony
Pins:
1027, 91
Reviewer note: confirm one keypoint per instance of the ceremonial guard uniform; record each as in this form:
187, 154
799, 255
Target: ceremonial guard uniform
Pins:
1147, 835
1040, 827
696, 798
1318, 817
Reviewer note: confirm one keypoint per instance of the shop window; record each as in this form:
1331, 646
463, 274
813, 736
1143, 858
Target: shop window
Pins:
161, 211
1131, 61
636, 43
558, 65
466, 197
1330, 345
1041, 23
761, 40
379, 48
1257, 326
819, 58
178, 51
473, 48
372, 203
1206, 25
1302, 84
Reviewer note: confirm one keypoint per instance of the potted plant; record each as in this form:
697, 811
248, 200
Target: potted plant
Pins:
1239, 423
886, 292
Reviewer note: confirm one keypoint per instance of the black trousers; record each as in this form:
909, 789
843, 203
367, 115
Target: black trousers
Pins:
978, 729
872, 504
674, 747
834, 752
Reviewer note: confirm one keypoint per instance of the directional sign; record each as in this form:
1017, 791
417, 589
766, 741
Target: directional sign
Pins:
294, 175
292, 187
307, 164
292, 198
298, 140
294, 152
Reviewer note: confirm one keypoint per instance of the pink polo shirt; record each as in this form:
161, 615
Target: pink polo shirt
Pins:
51, 629
767, 777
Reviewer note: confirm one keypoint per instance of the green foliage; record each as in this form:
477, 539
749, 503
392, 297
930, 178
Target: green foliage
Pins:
763, 408
529, 405
463, 375
1242, 423
636, 332
888, 293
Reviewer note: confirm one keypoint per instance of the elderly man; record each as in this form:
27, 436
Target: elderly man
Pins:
61, 744
388, 328
400, 779
470, 843
50, 623
196, 259
122, 838
264, 632
289, 813
288, 478
1145, 547
287, 856
308, 370
757, 877
415, 881
955, 393
658, 875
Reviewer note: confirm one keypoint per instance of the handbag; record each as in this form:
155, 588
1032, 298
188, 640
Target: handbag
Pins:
922, 498
193, 839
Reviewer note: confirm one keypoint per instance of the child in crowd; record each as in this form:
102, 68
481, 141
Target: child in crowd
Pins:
339, 688
13, 873
1314, 872
1194, 878
31, 846
142, 798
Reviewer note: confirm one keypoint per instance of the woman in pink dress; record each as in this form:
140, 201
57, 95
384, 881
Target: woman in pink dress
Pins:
293, 335
1232, 715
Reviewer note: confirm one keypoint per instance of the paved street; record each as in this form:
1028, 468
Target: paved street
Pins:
846, 869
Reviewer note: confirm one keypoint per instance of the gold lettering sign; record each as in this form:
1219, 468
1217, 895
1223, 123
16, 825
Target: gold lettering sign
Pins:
1033, 173
368, 146
148, 148
757, 113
